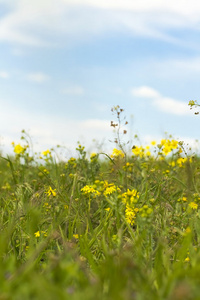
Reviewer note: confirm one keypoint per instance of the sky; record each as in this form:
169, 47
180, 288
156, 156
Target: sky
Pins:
65, 63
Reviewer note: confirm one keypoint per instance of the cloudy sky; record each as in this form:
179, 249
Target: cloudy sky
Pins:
65, 63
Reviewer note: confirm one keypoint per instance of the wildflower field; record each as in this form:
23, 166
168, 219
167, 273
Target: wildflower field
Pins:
120, 225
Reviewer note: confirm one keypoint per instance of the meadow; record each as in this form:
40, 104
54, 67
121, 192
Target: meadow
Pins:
124, 225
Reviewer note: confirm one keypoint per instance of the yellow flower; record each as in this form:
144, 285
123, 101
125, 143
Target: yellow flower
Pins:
107, 209
136, 150
148, 153
130, 215
89, 189
192, 103
153, 143
114, 237
45, 153
37, 234
166, 150
93, 155
172, 163
117, 153
174, 144
181, 161
188, 230
44, 233
193, 205
187, 259
51, 192
130, 197
76, 236
110, 189
163, 142
18, 149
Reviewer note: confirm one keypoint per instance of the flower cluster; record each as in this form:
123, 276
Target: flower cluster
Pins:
145, 211
71, 164
90, 190
38, 233
109, 188
18, 149
141, 151
130, 214
117, 153
130, 197
167, 146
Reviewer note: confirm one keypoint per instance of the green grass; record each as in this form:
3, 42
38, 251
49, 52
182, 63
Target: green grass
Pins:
100, 227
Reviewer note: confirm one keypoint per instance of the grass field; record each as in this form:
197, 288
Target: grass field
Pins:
104, 226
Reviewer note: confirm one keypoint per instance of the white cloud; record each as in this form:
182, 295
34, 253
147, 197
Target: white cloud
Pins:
145, 92
38, 77
180, 6
4, 75
95, 124
186, 65
48, 131
42, 23
73, 90
172, 106
162, 103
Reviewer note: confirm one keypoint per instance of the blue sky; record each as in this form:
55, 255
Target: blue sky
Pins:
65, 63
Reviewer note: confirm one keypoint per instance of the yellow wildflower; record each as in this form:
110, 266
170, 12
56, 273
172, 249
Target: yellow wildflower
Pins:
18, 149
166, 150
51, 192
107, 209
193, 205
187, 259
45, 153
44, 233
76, 236
172, 163
37, 234
109, 190
174, 144
192, 103
180, 161
93, 155
148, 153
130, 215
188, 230
130, 197
117, 153
89, 189
136, 150
163, 142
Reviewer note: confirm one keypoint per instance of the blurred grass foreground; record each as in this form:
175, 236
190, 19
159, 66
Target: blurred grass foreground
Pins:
119, 226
